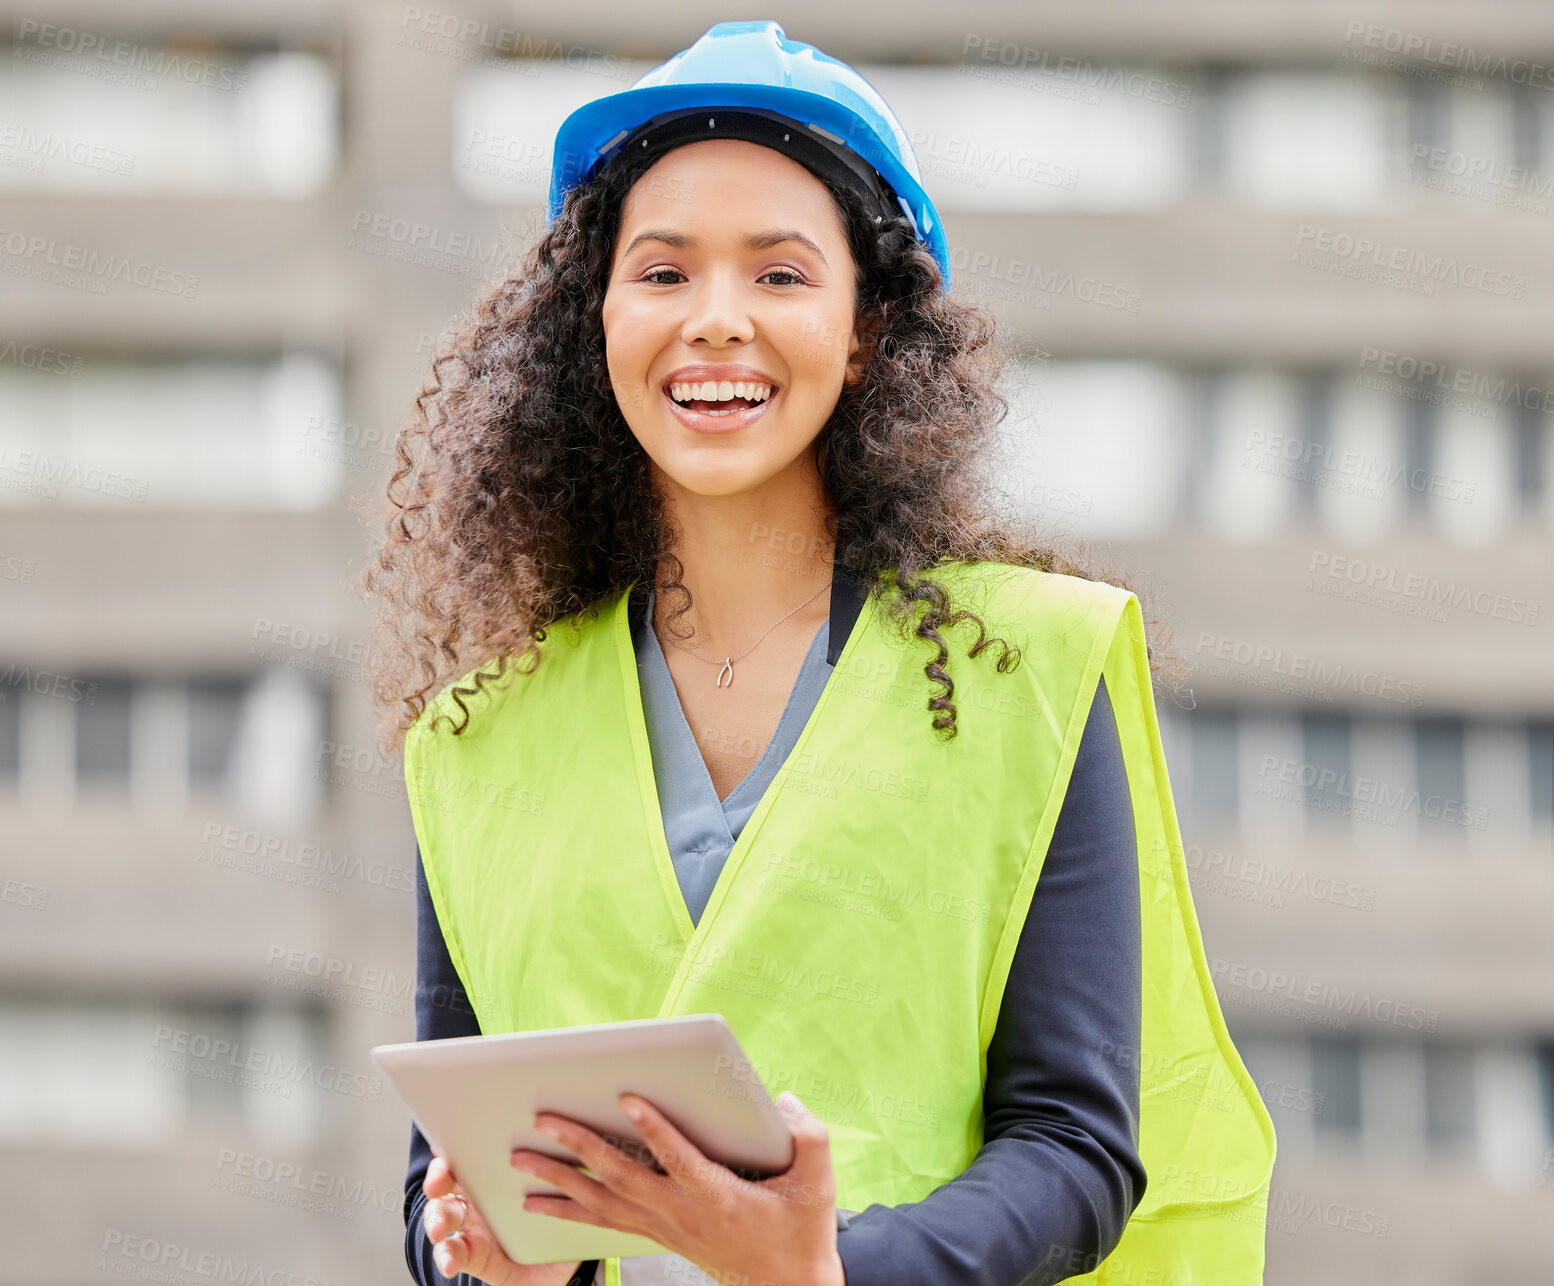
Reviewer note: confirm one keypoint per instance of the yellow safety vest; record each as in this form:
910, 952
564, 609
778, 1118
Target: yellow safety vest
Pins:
860, 935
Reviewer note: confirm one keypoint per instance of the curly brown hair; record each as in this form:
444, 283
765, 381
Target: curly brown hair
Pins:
530, 499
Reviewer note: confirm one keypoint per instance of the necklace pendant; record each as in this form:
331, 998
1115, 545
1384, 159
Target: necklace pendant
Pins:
728, 669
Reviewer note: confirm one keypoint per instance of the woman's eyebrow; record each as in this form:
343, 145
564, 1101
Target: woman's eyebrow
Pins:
755, 241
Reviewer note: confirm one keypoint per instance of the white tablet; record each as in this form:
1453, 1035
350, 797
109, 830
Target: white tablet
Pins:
474, 1098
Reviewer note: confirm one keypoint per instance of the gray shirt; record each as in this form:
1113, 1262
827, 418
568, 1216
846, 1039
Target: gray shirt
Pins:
701, 828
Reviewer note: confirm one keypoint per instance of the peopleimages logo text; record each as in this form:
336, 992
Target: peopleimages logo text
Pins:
1418, 263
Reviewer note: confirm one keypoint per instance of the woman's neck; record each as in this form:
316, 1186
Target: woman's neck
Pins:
746, 564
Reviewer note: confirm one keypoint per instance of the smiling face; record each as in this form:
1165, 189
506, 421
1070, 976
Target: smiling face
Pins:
731, 267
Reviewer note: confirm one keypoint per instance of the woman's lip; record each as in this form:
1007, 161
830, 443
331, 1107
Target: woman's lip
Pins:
734, 420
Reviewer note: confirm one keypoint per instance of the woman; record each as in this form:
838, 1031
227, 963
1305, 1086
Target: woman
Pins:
723, 445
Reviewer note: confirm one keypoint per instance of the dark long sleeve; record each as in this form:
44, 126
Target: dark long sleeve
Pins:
442, 1010
1058, 1174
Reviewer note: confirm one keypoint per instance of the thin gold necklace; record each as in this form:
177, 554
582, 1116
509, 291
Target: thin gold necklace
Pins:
726, 673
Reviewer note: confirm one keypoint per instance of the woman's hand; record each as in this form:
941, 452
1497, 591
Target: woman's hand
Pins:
462, 1242
780, 1230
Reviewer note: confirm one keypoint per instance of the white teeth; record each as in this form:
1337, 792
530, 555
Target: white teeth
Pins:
720, 391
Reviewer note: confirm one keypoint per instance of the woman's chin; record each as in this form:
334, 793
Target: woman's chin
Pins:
717, 466
714, 486
704, 473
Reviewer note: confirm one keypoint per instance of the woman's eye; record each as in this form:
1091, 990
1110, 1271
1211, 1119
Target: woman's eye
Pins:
794, 278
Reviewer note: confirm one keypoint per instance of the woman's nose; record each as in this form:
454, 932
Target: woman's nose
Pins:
718, 311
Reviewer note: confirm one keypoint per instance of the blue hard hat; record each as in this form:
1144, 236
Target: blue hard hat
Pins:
753, 66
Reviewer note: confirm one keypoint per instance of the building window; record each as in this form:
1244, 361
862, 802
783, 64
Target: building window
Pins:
103, 734
1449, 1105
1540, 767
1440, 748
1329, 781
1335, 1077
1247, 497
195, 433
178, 119
1317, 139
1530, 451
11, 690
104, 1073
1096, 448
1544, 1054
248, 740
1215, 767
215, 721
1313, 394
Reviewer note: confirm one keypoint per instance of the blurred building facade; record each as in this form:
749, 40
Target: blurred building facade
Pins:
1293, 279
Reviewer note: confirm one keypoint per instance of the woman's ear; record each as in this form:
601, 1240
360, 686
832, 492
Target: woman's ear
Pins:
868, 331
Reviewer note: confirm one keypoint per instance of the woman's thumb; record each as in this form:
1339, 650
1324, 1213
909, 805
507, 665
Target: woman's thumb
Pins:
811, 1168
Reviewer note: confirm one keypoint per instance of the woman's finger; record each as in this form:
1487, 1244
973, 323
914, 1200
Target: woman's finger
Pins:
582, 1192
448, 1255
615, 1170
444, 1216
439, 1180
566, 1208
681, 1158
811, 1177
